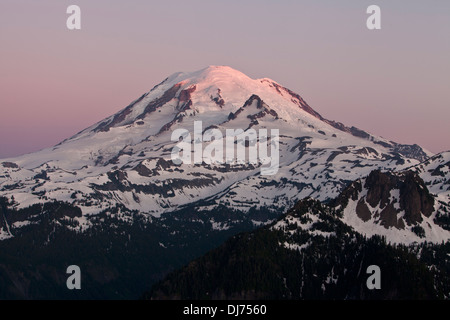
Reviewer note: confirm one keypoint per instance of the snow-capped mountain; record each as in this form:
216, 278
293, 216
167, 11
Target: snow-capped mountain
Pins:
125, 160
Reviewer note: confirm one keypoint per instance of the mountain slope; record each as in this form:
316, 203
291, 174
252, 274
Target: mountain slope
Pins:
309, 253
435, 171
313, 243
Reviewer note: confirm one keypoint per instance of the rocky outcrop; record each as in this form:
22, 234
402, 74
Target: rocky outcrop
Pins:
393, 199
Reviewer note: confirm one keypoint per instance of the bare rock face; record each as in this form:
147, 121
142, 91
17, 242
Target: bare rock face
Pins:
394, 199
379, 186
388, 217
10, 165
363, 211
415, 198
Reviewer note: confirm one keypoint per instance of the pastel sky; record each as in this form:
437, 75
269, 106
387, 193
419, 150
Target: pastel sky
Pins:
393, 82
